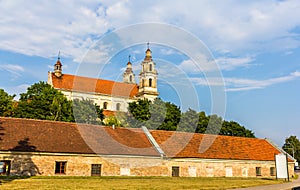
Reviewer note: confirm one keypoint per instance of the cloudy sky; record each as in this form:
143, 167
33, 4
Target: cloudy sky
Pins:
240, 56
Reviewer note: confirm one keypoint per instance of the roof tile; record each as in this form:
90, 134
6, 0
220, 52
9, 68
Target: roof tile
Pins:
195, 145
85, 84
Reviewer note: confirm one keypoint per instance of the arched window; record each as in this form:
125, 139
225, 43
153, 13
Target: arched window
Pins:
150, 67
143, 82
130, 78
105, 105
118, 107
150, 82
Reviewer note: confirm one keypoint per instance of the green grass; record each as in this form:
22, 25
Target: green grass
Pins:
165, 183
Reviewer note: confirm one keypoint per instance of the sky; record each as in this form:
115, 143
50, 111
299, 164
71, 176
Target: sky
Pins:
238, 59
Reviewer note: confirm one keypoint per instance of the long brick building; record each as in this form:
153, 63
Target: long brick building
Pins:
37, 147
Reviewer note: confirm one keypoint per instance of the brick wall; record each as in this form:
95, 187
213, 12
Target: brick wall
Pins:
80, 165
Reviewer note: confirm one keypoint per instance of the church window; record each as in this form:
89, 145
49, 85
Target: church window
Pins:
143, 82
105, 105
118, 107
150, 82
150, 67
130, 78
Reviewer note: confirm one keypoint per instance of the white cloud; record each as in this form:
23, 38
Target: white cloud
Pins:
227, 63
15, 70
222, 63
42, 28
242, 84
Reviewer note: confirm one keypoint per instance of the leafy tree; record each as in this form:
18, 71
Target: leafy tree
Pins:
6, 103
189, 121
86, 111
203, 123
153, 115
100, 113
41, 101
172, 117
140, 109
292, 146
112, 120
232, 128
167, 116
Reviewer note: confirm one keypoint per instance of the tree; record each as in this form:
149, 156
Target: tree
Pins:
292, 147
86, 111
232, 128
140, 109
189, 121
6, 103
153, 115
203, 123
172, 117
112, 121
41, 101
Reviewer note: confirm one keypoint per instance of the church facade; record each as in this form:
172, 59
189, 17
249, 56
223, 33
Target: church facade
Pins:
110, 95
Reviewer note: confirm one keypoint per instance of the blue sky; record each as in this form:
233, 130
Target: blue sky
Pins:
255, 45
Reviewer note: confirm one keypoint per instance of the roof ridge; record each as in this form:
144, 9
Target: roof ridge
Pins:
202, 134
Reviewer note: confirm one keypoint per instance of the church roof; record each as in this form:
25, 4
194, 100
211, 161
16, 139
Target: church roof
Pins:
93, 85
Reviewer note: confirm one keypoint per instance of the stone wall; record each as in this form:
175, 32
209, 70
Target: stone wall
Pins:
224, 168
81, 165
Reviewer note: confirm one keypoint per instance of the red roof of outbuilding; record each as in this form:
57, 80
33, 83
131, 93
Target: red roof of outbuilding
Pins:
29, 135
195, 145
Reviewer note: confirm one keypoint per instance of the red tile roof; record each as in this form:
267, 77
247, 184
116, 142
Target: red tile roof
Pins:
108, 113
62, 137
85, 84
187, 145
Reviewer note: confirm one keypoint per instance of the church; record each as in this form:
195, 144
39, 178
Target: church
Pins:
111, 96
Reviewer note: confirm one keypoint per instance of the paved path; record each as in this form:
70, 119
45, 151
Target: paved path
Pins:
295, 185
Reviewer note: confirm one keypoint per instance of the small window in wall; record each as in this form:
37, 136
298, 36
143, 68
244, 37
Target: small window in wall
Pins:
130, 78
118, 106
150, 82
150, 67
258, 171
96, 170
175, 171
4, 167
272, 171
105, 105
60, 167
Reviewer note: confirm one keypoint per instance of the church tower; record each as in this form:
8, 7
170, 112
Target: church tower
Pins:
58, 67
128, 75
148, 78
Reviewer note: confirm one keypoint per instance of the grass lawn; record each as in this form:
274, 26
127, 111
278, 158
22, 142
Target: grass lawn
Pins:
164, 183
